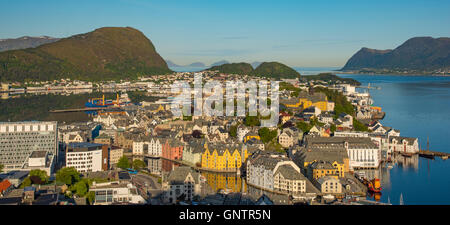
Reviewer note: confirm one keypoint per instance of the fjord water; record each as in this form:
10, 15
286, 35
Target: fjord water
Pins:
419, 106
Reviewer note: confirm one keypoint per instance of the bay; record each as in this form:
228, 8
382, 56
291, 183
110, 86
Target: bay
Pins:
419, 106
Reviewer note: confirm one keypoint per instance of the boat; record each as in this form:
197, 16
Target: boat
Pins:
401, 199
404, 154
375, 186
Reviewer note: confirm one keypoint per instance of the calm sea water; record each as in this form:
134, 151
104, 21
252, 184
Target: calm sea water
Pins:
419, 106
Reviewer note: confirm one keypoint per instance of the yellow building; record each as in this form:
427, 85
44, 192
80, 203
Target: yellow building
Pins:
306, 100
224, 157
320, 162
321, 168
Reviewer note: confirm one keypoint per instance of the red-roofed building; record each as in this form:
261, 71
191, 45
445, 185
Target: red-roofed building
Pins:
5, 187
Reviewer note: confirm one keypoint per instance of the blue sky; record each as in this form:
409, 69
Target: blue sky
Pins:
297, 33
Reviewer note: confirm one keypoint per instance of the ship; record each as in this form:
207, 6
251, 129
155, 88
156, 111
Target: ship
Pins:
121, 101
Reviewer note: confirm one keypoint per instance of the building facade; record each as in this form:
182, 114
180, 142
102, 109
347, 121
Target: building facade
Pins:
19, 140
87, 157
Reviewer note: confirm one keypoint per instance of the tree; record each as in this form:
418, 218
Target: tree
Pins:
305, 127
358, 126
123, 163
42, 175
68, 175
139, 164
267, 135
252, 121
26, 183
81, 188
1, 168
91, 197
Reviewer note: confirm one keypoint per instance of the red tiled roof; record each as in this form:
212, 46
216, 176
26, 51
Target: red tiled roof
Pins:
4, 185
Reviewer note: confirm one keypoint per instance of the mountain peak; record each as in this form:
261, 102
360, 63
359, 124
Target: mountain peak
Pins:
105, 53
418, 54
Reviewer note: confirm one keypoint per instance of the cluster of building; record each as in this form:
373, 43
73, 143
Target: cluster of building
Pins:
312, 163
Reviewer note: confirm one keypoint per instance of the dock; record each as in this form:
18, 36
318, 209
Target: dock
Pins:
76, 110
432, 154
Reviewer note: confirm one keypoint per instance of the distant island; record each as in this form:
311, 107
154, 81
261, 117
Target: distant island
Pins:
267, 69
195, 64
419, 55
112, 53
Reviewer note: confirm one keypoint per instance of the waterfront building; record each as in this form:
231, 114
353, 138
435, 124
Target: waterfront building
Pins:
172, 149
275, 172
404, 145
334, 155
182, 184
193, 151
87, 157
362, 152
116, 193
18, 141
224, 156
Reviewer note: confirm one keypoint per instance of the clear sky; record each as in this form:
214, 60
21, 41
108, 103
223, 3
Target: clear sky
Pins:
297, 33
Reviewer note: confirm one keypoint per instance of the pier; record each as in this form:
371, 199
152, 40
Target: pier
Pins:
76, 110
432, 154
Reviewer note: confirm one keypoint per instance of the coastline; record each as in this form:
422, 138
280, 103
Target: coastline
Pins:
390, 74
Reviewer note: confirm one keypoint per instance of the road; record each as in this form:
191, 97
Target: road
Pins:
148, 186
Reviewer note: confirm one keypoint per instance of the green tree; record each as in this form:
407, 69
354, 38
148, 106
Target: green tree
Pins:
123, 163
305, 127
81, 188
26, 183
251, 121
139, 164
68, 175
1, 168
358, 126
267, 135
91, 197
41, 174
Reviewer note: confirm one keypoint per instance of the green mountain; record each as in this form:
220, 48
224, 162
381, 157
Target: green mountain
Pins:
417, 54
234, 68
106, 53
275, 70
267, 69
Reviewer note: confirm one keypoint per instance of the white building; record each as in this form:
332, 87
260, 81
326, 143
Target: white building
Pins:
183, 183
404, 145
87, 157
116, 193
329, 185
275, 173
